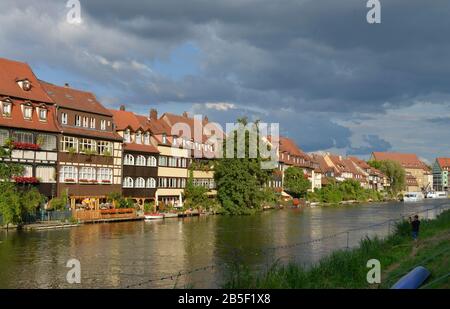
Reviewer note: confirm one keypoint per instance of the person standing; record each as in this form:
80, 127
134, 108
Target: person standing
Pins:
415, 224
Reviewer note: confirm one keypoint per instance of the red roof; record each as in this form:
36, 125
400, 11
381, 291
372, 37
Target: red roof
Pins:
75, 99
407, 160
125, 119
140, 147
16, 119
11, 72
444, 163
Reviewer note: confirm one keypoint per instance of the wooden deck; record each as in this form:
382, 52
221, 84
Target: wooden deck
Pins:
110, 215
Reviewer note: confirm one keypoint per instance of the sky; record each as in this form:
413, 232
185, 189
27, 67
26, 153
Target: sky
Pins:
333, 81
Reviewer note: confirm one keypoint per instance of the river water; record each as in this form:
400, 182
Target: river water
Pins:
117, 255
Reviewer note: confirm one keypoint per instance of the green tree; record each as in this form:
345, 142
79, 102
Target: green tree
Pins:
195, 196
15, 202
394, 172
240, 179
295, 182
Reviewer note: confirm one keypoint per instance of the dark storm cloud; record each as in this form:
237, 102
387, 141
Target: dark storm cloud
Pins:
312, 58
374, 143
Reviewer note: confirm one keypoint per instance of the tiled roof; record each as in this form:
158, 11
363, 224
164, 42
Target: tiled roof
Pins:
78, 131
444, 163
16, 119
13, 71
126, 119
140, 148
407, 160
193, 123
75, 99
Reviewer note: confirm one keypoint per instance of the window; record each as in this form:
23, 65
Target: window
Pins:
69, 143
27, 112
183, 182
27, 171
162, 161
46, 173
78, 120
183, 162
151, 183
104, 175
23, 137
4, 136
147, 138
138, 139
129, 160
85, 122
164, 138
87, 174
104, 148
47, 142
140, 183
103, 125
68, 174
92, 123
128, 182
162, 182
151, 161
140, 161
64, 118
127, 136
6, 109
173, 162
87, 145
42, 114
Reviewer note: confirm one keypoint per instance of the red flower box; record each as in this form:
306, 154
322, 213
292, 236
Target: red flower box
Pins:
106, 181
69, 180
25, 146
26, 180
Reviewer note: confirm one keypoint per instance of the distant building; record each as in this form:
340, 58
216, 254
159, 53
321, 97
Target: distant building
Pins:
414, 168
441, 168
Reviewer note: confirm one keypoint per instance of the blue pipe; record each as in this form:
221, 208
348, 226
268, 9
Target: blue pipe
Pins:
413, 280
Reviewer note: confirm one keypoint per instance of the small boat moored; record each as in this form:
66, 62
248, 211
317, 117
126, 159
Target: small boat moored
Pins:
153, 216
170, 215
413, 197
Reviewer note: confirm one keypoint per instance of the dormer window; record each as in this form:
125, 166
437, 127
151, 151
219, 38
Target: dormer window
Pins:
27, 111
164, 138
85, 122
103, 125
147, 138
42, 114
138, 137
24, 84
92, 123
78, 120
6, 109
127, 136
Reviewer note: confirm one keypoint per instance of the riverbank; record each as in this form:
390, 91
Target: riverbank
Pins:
397, 254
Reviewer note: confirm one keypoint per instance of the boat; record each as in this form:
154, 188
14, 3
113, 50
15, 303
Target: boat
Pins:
170, 215
153, 216
413, 197
437, 194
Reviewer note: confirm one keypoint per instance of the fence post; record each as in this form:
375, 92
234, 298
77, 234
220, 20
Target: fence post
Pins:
348, 235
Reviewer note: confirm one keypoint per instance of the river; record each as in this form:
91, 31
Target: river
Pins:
118, 255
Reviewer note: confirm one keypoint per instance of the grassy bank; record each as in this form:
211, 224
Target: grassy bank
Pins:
397, 254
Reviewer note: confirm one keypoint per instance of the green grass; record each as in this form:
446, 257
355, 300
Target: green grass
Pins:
397, 254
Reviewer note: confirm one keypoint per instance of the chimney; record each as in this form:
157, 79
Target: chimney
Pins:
153, 114
185, 114
67, 85
122, 107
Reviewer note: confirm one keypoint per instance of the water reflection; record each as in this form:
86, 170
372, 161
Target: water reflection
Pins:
119, 254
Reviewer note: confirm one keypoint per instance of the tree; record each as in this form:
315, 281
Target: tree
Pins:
395, 173
296, 182
195, 196
15, 202
240, 180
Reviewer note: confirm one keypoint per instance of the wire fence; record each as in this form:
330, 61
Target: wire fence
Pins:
236, 255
